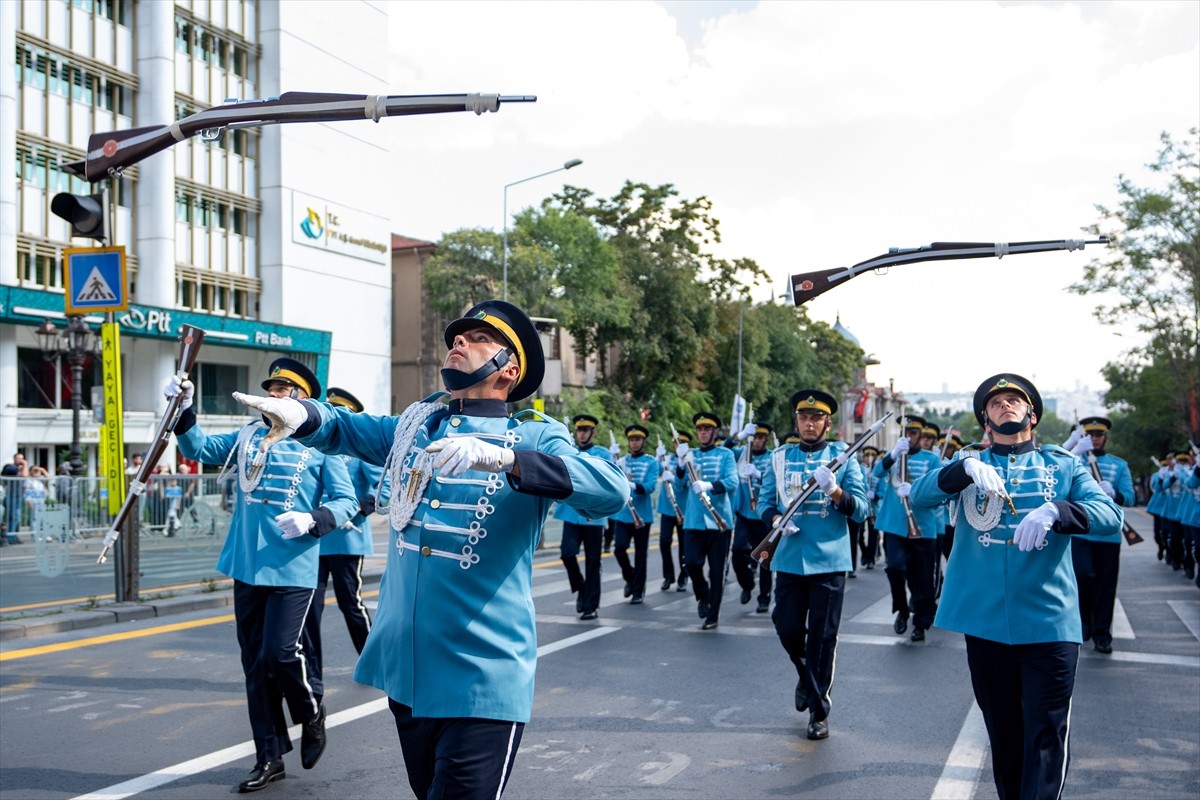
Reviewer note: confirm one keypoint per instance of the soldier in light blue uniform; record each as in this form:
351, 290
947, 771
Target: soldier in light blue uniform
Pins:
909, 558
1010, 587
1158, 499
1190, 518
1179, 543
749, 530
342, 556
580, 528
286, 498
813, 558
866, 531
454, 643
715, 477
642, 470
672, 497
1097, 559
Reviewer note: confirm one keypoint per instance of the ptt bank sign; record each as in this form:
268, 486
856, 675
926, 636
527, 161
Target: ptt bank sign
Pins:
346, 231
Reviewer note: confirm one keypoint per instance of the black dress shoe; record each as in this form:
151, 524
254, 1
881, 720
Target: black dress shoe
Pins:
261, 775
312, 740
702, 609
901, 624
801, 696
637, 600
763, 607
682, 585
1103, 647
708, 625
851, 574
918, 634
579, 604
666, 585
745, 596
818, 728
870, 565
590, 615
628, 589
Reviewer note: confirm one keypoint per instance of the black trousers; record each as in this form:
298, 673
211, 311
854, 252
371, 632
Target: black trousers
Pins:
1096, 567
870, 542
1024, 692
911, 561
346, 574
635, 573
456, 758
591, 537
807, 615
712, 548
747, 535
270, 629
668, 526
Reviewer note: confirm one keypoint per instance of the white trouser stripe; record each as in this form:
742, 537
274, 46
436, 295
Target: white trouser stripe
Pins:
508, 757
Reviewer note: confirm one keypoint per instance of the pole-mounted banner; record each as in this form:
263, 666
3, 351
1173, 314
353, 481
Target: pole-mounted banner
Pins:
808, 285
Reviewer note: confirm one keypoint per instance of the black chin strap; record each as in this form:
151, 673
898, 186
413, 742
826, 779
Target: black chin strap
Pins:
455, 379
1010, 428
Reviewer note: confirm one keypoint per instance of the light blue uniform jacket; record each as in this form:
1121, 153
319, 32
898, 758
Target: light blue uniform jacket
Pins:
749, 491
678, 485
1115, 470
454, 632
358, 540
717, 466
1158, 494
822, 544
1191, 498
296, 478
992, 589
890, 516
643, 470
568, 513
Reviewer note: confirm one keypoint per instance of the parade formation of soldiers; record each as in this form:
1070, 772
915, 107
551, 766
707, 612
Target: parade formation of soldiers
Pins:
1011, 542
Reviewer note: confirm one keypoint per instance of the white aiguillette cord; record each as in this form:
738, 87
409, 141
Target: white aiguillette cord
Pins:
406, 495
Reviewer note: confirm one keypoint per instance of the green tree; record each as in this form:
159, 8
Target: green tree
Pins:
1154, 268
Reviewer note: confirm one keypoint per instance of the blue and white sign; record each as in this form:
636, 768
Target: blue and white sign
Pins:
96, 280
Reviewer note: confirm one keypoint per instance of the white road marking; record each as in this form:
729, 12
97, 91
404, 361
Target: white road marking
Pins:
960, 775
1188, 612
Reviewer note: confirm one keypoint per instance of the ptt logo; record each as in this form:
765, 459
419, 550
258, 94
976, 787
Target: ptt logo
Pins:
311, 225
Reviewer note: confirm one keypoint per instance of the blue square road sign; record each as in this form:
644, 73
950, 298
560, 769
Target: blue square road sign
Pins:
96, 279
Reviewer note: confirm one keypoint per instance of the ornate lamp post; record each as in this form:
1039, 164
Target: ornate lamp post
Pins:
75, 346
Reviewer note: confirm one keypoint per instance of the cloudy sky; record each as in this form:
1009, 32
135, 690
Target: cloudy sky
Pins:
825, 133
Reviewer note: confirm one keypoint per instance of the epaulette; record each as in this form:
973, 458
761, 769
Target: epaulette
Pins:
1055, 449
531, 415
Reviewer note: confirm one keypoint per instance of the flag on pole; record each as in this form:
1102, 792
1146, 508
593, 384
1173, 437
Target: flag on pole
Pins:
737, 418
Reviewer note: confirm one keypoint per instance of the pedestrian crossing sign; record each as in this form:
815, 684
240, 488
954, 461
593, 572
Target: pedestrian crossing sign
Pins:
95, 279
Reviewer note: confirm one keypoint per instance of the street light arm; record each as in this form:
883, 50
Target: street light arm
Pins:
109, 153
572, 163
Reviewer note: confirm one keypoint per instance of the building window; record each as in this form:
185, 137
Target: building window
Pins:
47, 384
218, 382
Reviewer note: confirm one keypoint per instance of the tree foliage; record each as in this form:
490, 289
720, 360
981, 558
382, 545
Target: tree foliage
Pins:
1154, 270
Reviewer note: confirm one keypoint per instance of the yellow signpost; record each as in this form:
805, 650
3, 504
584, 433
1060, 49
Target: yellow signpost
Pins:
112, 454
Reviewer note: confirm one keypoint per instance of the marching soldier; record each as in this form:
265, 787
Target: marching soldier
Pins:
642, 472
1010, 587
909, 536
865, 532
948, 446
1097, 559
272, 555
1191, 512
671, 500
1159, 484
753, 460
712, 472
454, 644
1178, 512
342, 555
812, 559
580, 529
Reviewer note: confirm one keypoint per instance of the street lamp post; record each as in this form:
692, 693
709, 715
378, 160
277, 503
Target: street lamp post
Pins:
75, 347
574, 162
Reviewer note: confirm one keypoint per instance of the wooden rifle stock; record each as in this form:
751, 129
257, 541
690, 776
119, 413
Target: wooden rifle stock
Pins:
191, 338
767, 547
1132, 537
914, 530
722, 525
669, 488
637, 518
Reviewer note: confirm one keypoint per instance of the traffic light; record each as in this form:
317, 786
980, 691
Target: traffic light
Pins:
87, 213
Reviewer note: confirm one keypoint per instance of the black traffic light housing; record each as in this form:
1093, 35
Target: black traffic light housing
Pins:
87, 213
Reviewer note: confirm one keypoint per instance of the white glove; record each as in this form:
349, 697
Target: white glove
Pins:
825, 479
184, 388
285, 414
294, 523
790, 529
1031, 531
903, 489
870, 495
900, 449
700, 487
1108, 489
632, 487
683, 453
985, 477
1083, 447
615, 449
461, 453
660, 451
750, 471
1073, 439
746, 432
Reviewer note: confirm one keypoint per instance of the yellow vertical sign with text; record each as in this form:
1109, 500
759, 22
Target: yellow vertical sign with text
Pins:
114, 416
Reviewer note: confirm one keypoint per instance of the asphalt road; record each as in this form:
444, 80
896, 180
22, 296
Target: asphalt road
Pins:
639, 704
